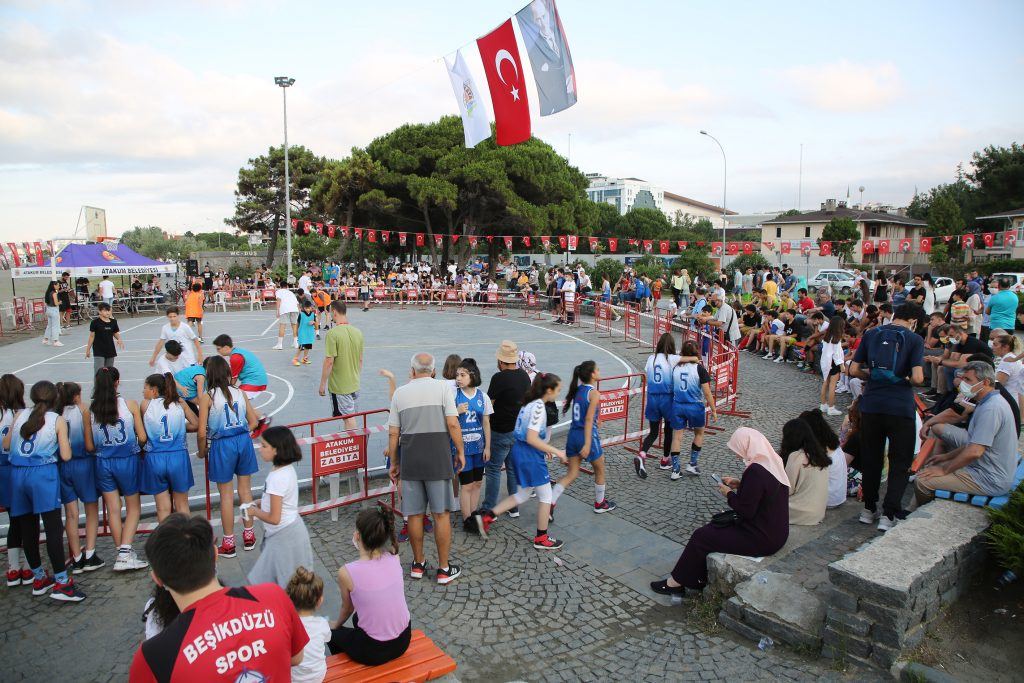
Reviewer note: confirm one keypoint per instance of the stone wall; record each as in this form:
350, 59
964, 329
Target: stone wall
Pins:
884, 595
249, 259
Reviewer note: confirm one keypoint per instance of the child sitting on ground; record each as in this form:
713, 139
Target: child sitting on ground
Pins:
306, 591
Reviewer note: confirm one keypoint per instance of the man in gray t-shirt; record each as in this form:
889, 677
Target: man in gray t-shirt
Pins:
422, 420
983, 456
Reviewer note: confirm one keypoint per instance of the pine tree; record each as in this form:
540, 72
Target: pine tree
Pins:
1006, 535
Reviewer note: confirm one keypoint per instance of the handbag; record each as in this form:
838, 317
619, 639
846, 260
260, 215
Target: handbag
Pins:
727, 518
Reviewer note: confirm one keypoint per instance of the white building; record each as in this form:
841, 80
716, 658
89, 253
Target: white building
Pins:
625, 193
695, 210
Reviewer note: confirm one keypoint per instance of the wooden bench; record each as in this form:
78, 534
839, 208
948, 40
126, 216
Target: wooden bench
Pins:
423, 661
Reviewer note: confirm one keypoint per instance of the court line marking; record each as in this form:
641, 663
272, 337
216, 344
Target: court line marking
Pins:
269, 327
287, 400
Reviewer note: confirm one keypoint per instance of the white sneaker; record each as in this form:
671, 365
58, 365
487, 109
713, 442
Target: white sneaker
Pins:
676, 474
823, 407
884, 523
693, 469
129, 561
295, 343
834, 412
868, 517
318, 334
768, 356
780, 359
46, 342
277, 347
58, 343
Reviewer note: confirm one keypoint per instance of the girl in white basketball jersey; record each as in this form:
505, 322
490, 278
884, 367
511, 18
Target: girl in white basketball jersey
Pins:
12, 402
166, 466
78, 479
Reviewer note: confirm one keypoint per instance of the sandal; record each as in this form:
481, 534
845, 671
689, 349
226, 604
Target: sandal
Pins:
662, 588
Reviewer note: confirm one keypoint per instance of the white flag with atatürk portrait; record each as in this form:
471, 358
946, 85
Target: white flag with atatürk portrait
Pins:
475, 123
545, 41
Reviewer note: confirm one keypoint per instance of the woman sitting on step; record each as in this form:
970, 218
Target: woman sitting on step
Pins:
760, 499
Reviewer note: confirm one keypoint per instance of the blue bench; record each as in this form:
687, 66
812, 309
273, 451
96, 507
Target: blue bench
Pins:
983, 501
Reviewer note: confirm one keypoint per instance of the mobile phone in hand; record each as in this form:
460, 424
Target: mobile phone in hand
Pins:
718, 479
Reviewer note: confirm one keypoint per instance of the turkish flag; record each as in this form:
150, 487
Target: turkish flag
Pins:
563, 242
332, 230
358, 232
682, 246
716, 248
385, 236
402, 236
421, 239
883, 246
825, 249
633, 242
508, 241
307, 227
545, 240
320, 228
968, 241
526, 241
925, 245
868, 247
732, 248
1009, 238
593, 243
946, 238
613, 243
472, 241
39, 253
785, 248
648, 245
489, 238
295, 224
989, 238
504, 69
770, 246
371, 236
454, 238
663, 246
748, 248
905, 245
344, 231
438, 240
14, 254
805, 248
574, 242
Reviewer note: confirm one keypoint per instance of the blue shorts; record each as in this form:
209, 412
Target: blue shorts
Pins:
165, 470
35, 490
688, 416
118, 474
474, 461
529, 466
5, 487
574, 443
78, 480
232, 456
659, 407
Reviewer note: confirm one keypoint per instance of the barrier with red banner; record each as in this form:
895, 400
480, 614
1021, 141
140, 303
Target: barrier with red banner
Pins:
631, 324
493, 300
570, 310
616, 403
662, 325
531, 305
351, 294
22, 319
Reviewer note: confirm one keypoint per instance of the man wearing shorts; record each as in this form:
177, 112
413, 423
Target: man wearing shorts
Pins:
422, 420
343, 361
287, 314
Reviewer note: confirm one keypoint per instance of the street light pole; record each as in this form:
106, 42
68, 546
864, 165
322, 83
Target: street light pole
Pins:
286, 83
724, 179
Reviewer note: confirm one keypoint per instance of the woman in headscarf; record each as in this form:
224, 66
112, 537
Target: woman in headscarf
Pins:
760, 498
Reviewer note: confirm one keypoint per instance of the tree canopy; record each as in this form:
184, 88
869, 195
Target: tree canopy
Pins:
842, 232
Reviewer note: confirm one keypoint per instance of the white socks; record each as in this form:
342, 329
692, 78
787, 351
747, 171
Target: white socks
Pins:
14, 558
598, 493
556, 491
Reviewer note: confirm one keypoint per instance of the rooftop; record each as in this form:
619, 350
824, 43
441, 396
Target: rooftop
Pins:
824, 215
694, 202
1016, 213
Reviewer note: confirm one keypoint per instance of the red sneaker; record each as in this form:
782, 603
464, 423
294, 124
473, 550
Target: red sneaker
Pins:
665, 464
403, 534
418, 568
248, 539
26, 577
13, 577
484, 520
41, 586
545, 542
67, 592
227, 548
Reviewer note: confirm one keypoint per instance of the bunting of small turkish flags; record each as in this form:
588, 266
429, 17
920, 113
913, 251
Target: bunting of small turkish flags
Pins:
663, 246
968, 241
682, 246
402, 238
332, 231
613, 244
632, 242
385, 236
563, 241
868, 247
805, 248
371, 236
988, 238
905, 245
925, 245
785, 248
574, 242
748, 248
544, 240
421, 239
883, 246
358, 233
716, 248
508, 242
593, 243
825, 249
14, 254
648, 245
320, 228
39, 253
526, 241
731, 248
438, 240
1009, 238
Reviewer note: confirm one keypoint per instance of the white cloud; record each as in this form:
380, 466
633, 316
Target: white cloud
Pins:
845, 86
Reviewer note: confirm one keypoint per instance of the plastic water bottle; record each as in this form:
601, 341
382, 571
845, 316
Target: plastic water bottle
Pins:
1006, 578
765, 644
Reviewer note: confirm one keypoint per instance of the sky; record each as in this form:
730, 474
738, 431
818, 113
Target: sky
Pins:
149, 109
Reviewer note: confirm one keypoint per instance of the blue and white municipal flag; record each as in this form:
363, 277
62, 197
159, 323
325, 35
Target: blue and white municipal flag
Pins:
475, 123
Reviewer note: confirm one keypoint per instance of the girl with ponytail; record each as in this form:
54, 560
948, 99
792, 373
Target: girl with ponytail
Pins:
78, 479
36, 440
584, 400
373, 593
166, 418
529, 453
12, 401
118, 434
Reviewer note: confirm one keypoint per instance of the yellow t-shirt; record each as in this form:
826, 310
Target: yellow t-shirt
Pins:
770, 288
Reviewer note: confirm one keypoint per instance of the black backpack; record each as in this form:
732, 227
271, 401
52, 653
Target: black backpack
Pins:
885, 355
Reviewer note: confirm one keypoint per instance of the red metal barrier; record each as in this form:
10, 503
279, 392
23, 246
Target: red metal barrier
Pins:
662, 325
531, 305
631, 324
616, 403
603, 315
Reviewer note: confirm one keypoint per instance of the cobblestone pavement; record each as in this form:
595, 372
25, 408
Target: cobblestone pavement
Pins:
516, 613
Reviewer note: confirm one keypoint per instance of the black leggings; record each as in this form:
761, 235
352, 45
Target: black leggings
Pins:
363, 649
54, 528
14, 535
653, 436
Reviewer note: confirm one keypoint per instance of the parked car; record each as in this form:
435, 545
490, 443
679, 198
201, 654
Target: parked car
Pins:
1016, 278
944, 287
840, 281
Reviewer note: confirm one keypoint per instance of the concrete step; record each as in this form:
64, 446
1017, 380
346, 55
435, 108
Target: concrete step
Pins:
775, 605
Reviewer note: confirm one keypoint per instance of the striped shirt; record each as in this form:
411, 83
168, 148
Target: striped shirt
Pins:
419, 409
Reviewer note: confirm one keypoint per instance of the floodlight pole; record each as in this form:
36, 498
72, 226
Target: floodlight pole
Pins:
724, 179
286, 83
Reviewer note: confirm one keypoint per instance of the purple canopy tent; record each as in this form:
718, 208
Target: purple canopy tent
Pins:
96, 260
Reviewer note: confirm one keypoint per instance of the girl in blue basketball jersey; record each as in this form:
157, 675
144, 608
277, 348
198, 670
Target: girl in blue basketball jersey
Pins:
36, 441
78, 479
658, 408
691, 397
191, 383
225, 419
12, 401
117, 435
583, 442
529, 460
166, 466
475, 409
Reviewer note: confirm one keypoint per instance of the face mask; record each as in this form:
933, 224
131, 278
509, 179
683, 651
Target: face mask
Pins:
944, 340
991, 344
967, 391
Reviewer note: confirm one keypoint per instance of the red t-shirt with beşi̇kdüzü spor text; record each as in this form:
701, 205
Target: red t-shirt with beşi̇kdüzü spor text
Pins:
247, 635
